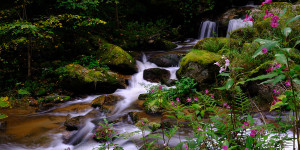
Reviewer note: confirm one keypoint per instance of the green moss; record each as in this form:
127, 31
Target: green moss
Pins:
247, 34
202, 57
78, 72
114, 55
163, 44
215, 44
261, 67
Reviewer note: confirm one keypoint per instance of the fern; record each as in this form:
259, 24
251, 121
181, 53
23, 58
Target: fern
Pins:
242, 102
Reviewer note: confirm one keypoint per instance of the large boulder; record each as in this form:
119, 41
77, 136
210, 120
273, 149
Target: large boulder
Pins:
81, 80
156, 75
116, 58
166, 59
162, 44
102, 100
199, 65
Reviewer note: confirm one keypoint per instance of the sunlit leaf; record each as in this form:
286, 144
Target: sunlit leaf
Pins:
293, 19
287, 31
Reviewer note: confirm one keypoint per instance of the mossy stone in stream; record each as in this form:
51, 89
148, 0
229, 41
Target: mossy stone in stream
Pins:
74, 123
213, 44
162, 44
116, 58
199, 65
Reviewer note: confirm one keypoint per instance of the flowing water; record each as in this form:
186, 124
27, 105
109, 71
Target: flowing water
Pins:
208, 29
237, 24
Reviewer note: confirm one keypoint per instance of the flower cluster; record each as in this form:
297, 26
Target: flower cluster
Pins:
274, 67
275, 99
268, 14
253, 132
266, 1
274, 22
225, 66
246, 124
226, 105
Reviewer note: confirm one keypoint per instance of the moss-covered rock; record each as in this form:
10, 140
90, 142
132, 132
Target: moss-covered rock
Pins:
79, 79
199, 65
213, 44
116, 58
247, 34
109, 100
166, 59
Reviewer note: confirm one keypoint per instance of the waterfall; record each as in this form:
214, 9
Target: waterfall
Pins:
237, 24
207, 29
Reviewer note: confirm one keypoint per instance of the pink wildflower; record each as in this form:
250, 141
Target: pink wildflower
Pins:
261, 132
199, 129
246, 124
264, 50
287, 83
222, 69
253, 132
217, 63
271, 69
224, 147
177, 99
248, 18
188, 100
226, 63
246, 149
274, 24
195, 99
268, 14
266, 1
278, 65
228, 107
224, 57
275, 18
160, 87
225, 104
206, 91
172, 103
275, 92
212, 97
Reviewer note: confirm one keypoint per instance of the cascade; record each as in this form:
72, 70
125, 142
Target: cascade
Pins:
207, 29
237, 24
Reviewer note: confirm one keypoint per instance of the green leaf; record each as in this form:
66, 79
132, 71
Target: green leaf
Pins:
278, 79
261, 77
281, 58
287, 31
293, 19
249, 142
268, 44
23, 92
289, 50
224, 74
297, 42
283, 13
229, 83
277, 105
296, 80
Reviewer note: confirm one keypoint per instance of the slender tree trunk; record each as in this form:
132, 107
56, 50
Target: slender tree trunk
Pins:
117, 16
29, 58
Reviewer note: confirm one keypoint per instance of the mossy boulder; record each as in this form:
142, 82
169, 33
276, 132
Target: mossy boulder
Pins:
81, 80
199, 65
156, 75
166, 59
116, 59
162, 44
213, 44
247, 34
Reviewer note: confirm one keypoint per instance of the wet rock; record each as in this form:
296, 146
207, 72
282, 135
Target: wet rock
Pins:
156, 75
110, 100
170, 82
74, 123
199, 65
67, 136
162, 44
136, 116
3, 126
166, 60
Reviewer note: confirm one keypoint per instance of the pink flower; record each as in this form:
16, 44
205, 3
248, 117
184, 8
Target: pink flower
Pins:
246, 124
266, 1
226, 63
274, 24
172, 103
195, 99
248, 18
228, 107
275, 92
224, 147
188, 99
278, 65
268, 14
224, 57
217, 63
177, 99
253, 132
199, 129
261, 132
212, 97
152, 90
287, 83
206, 91
222, 69
246, 149
271, 69
264, 50
160, 87
275, 18
225, 104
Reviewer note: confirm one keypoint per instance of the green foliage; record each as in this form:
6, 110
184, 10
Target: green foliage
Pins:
91, 62
3, 103
184, 87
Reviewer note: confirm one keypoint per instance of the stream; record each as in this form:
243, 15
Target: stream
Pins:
46, 131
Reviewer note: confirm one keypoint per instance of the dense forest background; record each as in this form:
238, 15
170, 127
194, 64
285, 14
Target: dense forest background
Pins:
39, 36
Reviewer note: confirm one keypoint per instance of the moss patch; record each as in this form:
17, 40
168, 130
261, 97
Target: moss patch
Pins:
215, 44
202, 57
